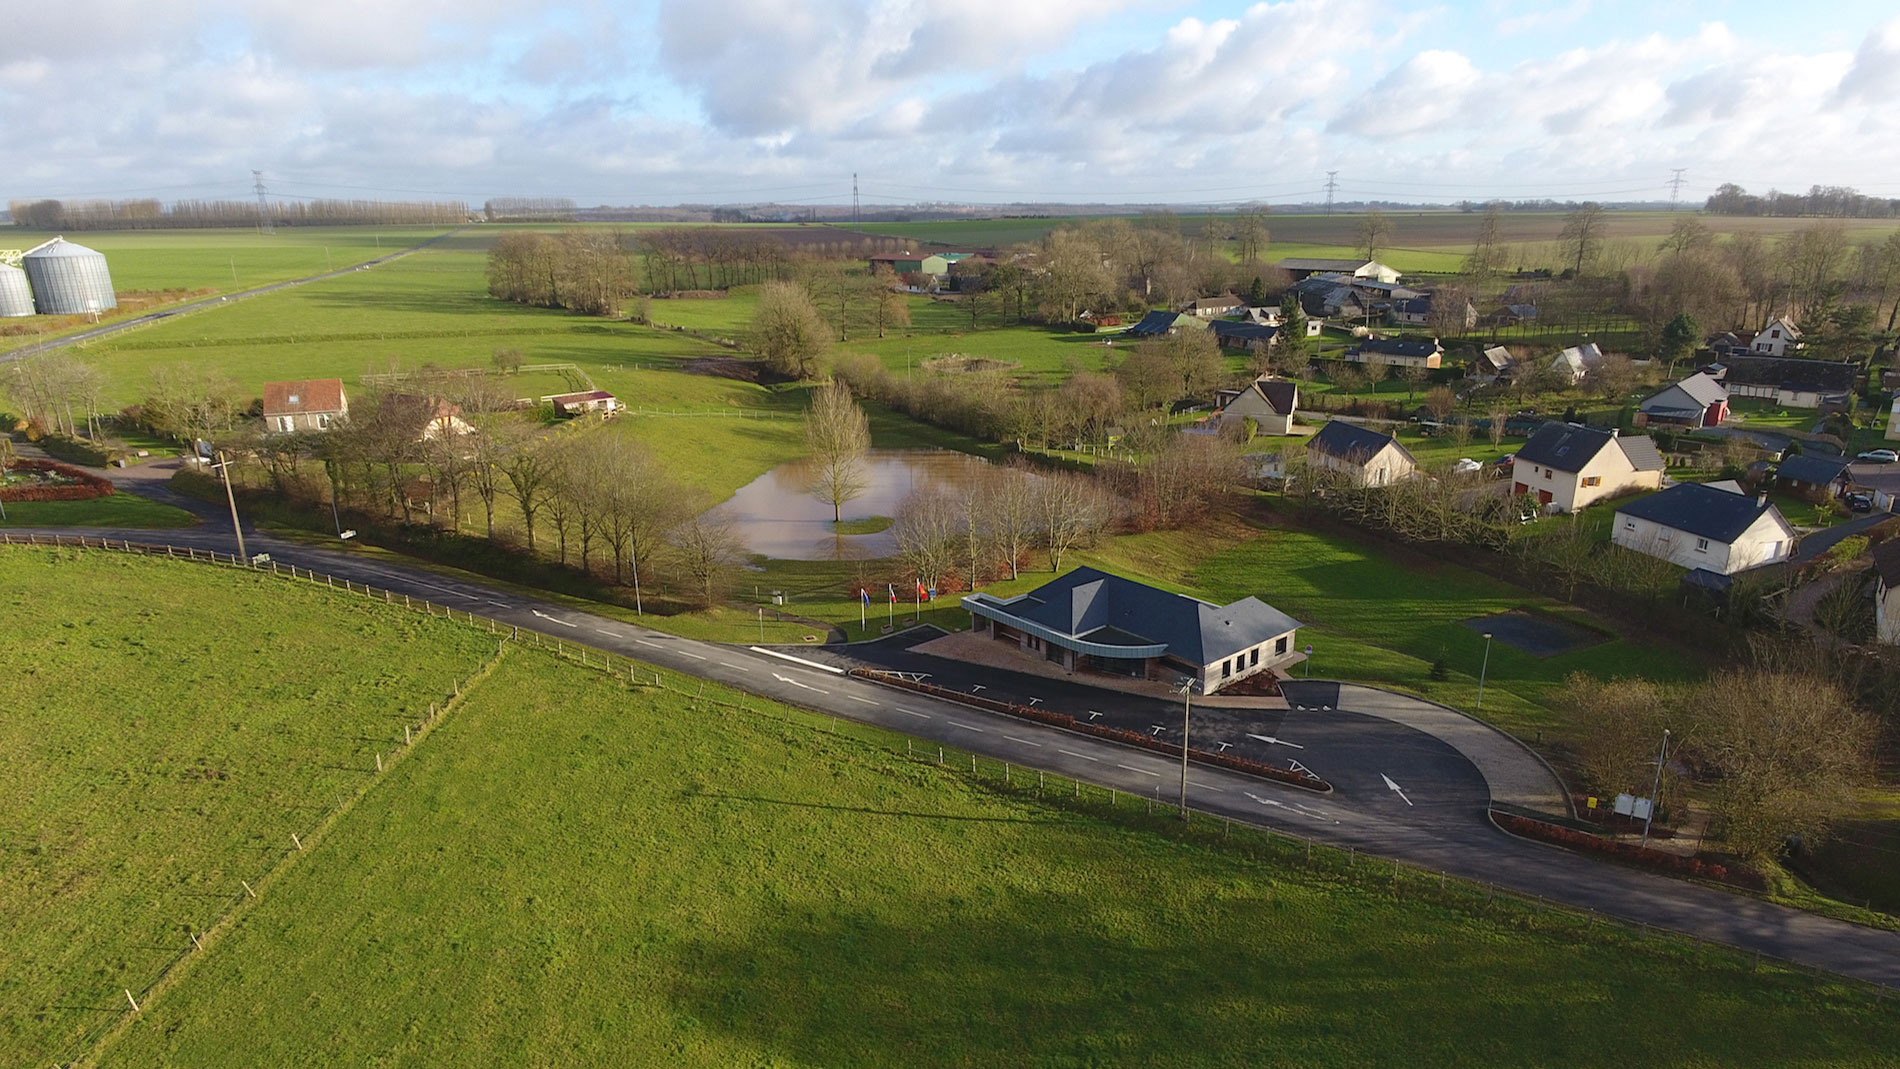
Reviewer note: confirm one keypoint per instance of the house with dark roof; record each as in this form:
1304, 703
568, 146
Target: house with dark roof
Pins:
1887, 592
1268, 401
1302, 266
1242, 335
1512, 314
1089, 620
1789, 381
1398, 352
1154, 325
1361, 454
1568, 466
1815, 477
304, 405
1700, 526
1697, 401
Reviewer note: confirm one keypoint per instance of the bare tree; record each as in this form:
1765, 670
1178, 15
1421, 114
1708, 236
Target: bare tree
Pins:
529, 470
1623, 723
1194, 357
1582, 235
926, 528
1072, 510
706, 548
1011, 500
1375, 232
787, 330
837, 435
1487, 252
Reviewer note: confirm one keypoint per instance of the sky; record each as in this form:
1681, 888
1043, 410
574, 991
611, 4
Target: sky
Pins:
969, 101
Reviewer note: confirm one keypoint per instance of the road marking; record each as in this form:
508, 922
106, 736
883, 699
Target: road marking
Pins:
503, 604
966, 727
738, 667
685, 653
551, 619
644, 642
1143, 771
1205, 787
797, 660
604, 631
1395, 788
913, 712
1025, 742
1271, 741
855, 698
1072, 753
796, 683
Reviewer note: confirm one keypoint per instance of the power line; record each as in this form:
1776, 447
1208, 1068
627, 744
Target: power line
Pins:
1332, 183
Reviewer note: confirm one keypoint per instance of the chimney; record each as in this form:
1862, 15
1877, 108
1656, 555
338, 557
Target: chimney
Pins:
1761, 499
1613, 431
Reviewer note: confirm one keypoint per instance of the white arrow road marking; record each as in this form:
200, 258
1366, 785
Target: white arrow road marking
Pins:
545, 616
1271, 741
796, 683
1296, 808
1395, 788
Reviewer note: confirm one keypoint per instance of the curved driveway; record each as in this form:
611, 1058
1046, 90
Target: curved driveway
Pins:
1443, 829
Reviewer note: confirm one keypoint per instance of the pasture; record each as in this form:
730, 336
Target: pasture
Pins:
569, 869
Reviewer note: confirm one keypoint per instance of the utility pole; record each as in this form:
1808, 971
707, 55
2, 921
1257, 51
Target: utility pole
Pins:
1187, 702
1482, 669
1332, 183
1675, 186
854, 198
263, 205
224, 469
1655, 787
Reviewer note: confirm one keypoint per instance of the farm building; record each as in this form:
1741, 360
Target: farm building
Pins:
1790, 382
1302, 266
1398, 352
574, 404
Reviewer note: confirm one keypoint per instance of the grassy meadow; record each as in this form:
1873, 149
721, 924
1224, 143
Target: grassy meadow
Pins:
168, 728
569, 869
113, 510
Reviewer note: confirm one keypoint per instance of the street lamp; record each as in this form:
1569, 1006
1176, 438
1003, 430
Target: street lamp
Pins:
224, 469
1655, 787
1187, 702
1482, 670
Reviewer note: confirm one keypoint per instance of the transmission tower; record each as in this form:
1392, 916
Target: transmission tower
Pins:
263, 204
854, 198
1675, 186
1332, 183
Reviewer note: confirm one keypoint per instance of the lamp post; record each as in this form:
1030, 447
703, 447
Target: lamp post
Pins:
1187, 703
1483, 669
224, 469
1655, 787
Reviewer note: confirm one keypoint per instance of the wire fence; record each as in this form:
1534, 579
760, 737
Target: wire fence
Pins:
1152, 812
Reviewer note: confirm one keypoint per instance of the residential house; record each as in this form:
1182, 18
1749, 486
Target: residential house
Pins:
1700, 526
1887, 592
1361, 454
1779, 338
1268, 316
1155, 325
1242, 335
1817, 478
1268, 401
429, 417
1576, 362
1569, 466
1789, 382
1398, 352
1512, 315
1216, 307
1722, 343
304, 405
1302, 266
1697, 401
1417, 311
574, 404
1089, 620
1494, 362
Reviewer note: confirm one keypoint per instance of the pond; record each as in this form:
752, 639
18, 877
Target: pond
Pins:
775, 515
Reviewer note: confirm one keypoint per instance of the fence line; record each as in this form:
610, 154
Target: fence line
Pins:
982, 768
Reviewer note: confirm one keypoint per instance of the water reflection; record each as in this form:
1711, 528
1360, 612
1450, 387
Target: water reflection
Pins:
776, 516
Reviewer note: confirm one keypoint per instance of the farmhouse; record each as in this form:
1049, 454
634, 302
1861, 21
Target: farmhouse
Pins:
1789, 382
1089, 620
1697, 401
1361, 454
1417, 311
1268, 401
1398, 352
1302, 266
427, 418
1700, 526
304, 405
1778, 338
574, 404
1568, 466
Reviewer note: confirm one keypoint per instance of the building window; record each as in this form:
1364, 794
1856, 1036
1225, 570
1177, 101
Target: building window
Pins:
1280, 646
1593, 480
323, 422
1701, 545
1254, 658
1629, 525
1226, 668
284, 423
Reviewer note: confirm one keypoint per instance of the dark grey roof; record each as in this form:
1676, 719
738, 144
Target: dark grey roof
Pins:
1152, 324
1108, 608
1421, 306
1348, 441
1810, 469
1399, 347
1564, 446
1887, 562
1280, 394
1233, 330
1700, 510
1696, 392
1792, 373
1642, 453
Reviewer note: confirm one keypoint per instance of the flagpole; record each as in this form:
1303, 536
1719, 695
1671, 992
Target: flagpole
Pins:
862, 626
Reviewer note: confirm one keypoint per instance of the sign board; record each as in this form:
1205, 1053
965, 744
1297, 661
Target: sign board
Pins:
1591, 801
1631, 806
1309, 650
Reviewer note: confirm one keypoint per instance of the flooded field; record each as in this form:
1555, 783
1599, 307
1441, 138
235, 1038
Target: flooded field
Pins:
776, 516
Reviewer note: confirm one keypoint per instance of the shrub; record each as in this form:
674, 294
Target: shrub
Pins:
81, 485
1659, 860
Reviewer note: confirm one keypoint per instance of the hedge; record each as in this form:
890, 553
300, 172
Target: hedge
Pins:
85, 484
1644, 856
1101, 731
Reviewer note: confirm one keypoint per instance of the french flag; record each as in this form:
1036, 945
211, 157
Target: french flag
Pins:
893, 587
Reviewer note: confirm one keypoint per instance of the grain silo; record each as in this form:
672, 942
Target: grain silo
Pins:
68, 279
16, 296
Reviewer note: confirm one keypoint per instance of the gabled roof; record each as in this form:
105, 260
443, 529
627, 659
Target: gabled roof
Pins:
1350, 442
1580, 358
1702, 511
1810, 469
1522, 311
1498, 357
1702, 389
585, 395
1791, 373
1788, 329
303, 396
1242, 331
1641, 452
1419, 306
1281, 395
1095, 606
1228, 301
1564, 446
1400, 347
1887, 562
1154, 323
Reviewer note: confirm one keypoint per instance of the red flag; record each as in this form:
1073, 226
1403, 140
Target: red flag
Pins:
893, 587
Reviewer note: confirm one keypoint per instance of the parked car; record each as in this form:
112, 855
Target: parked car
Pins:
1858, 502
1880, 456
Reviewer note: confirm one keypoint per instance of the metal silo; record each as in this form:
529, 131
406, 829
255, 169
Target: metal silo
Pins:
16, 296
68, 279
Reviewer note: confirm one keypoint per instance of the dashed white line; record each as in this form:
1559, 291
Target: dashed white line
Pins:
644, 642
966, 727
855, 698
1143, 771
1072, 753
1205, 787
603, 631
688, 653
738, 667
913, 712
1025, 742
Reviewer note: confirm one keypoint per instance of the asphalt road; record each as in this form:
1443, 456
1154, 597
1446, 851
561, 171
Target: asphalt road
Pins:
83, 336
1440, 829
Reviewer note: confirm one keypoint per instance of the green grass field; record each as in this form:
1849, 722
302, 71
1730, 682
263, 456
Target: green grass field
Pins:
572, 870
168, 728
114, 510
